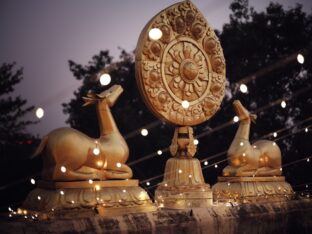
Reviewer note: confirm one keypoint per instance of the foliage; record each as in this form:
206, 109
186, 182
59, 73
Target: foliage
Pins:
252, 42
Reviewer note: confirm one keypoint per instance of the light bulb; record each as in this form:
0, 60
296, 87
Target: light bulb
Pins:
32, 181
39, 112
148, 183
159, 152
118, 165
243, 88
63, 169
235, 119
196, 142
185, 104
144, 132
275, 134
105, 79
96, 151
283, 104
300, 58
155, 34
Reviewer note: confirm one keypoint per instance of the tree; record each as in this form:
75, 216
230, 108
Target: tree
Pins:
259, 45
13, 109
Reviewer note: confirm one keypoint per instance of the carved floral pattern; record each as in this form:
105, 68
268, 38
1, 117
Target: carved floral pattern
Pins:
186, 63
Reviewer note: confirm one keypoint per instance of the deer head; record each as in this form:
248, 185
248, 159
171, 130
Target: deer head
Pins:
242, 113
109, 96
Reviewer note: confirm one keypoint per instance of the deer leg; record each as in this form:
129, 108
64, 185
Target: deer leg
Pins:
123, 172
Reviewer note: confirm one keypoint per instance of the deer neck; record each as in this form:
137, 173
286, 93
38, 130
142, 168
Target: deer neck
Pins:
106, 121
243, 130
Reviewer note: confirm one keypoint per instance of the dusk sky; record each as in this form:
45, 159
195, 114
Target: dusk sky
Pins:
41, 36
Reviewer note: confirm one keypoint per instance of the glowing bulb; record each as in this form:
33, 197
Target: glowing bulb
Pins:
62, 192
159, 152
300, 58
63, 169
90, 181
244, 155
275, 134
166, 185
96, 151
39, 198
206, 163
155, 34
185, 104
235, 119
190, 176
144, 132
274, 143
283, 104
281, 169
180, 171
148, 183
118, 165
243, 88
124, 191
32, 181
39, 113
307, 186
99, 163
97, 187
105, 79
72, 201
10, 209
308, 160
241, 143
306, 129
216, 166
196, 142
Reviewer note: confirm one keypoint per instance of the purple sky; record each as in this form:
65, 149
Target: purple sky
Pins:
42, 35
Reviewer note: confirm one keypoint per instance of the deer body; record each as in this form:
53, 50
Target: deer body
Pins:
263, 158
69, 148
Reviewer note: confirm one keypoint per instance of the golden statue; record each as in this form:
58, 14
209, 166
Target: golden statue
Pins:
254, 170
262, 158
180, 72
85, 158
81, 172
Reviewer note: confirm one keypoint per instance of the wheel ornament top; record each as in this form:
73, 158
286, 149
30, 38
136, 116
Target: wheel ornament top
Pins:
185, 64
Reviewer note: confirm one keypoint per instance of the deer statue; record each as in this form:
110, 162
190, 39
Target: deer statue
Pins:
262, 158
69, 155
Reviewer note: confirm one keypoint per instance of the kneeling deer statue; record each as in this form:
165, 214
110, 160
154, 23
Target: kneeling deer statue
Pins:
69, 155
262, 158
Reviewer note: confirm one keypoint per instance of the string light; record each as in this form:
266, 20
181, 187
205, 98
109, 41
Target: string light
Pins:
39, 112
159, 152
62, 192
185, 104
105, 79
216, 165
144, 132
90, 181
308, 160
118, 165
235, 119
241, 143
300, 58
148, 183
274, 143
275, 134
63, 169
97, 187
155, 34
99, 163
306, 129
283, 104
206, 163
124, 191
243, 88
32, 181
39, 198
180, 171
96, 151
196, 142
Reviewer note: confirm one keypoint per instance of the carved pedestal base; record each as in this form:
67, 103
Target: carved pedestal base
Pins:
183, 185
108, 198
252, 189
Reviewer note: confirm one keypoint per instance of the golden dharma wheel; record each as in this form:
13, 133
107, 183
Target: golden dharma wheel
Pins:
180, 67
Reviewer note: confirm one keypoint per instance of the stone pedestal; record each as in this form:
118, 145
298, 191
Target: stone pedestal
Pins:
183, 185
252, 189
108, 198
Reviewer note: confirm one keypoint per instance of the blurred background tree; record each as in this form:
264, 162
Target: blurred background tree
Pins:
260, 47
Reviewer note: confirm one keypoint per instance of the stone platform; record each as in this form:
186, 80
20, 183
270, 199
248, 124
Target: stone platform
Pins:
252, 189
293, 216
113, 197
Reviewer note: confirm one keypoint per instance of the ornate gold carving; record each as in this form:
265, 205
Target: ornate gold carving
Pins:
263, 158
115, 199
186, 63
252, 189
72, 150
